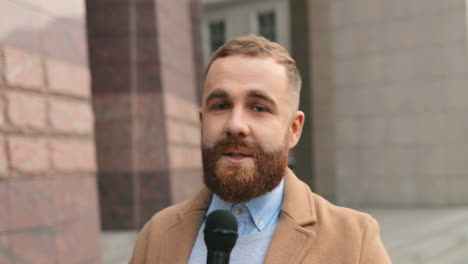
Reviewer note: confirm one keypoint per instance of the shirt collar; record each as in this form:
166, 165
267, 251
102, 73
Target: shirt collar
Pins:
263, 209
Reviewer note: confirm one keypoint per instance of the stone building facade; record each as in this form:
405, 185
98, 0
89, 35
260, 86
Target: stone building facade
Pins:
385, 94
48, 193
98, 121
99, 99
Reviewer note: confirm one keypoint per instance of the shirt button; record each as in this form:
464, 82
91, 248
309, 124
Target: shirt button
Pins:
260, 222
238, 211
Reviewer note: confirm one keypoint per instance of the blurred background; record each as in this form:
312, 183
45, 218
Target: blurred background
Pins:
99, 125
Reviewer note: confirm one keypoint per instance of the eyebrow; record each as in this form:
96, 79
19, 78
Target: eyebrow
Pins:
217, 93
220, 93
261, 95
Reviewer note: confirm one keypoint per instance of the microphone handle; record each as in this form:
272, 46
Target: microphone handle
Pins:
217, 257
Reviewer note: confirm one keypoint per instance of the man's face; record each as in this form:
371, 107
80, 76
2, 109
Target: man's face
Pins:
248, 126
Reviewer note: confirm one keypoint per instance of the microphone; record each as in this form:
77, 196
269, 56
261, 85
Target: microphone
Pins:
220, 236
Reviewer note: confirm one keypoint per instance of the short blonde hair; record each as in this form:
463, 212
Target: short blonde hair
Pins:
254, 46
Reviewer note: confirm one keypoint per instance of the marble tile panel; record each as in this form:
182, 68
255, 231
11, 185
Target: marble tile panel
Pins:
149, 138
19, 25
71, 116
154, 194
29, 4
31, 204
185, 184
78, 240
112, 107
4, 207
118, 193
180, 108
75, 197
73, 155
183, 133
113, 145
154, 188
23, 68
149, 77
110, 77
145, 11
68, 78
92, 260
27, 110
2, 80
70, 9
116, 200
108, 19
3, 159
147, 211
28, 155
5, 249
34, 246
64, 38
184, 157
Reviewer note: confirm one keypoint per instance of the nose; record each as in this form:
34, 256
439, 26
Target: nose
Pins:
237, 125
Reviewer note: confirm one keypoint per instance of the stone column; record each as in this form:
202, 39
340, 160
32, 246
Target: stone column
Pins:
300, 48
315, 161
144, 86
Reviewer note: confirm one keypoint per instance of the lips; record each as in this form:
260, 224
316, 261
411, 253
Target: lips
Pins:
237, 154
236, 157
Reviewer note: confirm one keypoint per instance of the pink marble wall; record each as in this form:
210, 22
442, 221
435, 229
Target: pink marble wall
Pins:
48, 194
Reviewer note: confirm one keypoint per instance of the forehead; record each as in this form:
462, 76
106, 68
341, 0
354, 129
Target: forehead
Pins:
239, 73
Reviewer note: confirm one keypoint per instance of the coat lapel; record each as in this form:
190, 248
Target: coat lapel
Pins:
295, 232
181, 237
293, 236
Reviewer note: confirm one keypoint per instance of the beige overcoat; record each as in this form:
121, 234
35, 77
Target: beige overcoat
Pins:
310, 230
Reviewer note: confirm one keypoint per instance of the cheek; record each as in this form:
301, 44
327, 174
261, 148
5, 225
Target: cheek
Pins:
210, 132
272, 139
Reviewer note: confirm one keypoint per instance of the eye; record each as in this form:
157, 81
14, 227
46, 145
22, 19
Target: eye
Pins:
220, 106
259, 108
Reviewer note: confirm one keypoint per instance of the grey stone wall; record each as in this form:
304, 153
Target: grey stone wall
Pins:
399, 80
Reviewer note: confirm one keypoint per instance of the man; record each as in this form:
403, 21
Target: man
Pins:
250, 120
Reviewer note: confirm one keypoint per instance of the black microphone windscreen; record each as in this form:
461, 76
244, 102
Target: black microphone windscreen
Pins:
220, 231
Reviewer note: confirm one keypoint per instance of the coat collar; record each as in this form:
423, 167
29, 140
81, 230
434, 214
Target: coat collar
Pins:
296, 225
181, 236
298, 203
295, 232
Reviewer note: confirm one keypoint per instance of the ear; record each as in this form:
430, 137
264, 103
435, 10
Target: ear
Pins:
295, 129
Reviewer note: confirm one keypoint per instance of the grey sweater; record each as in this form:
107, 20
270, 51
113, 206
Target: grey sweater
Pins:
249, 249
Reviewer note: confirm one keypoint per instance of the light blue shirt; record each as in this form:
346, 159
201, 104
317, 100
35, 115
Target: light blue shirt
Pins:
256, 215
257, 220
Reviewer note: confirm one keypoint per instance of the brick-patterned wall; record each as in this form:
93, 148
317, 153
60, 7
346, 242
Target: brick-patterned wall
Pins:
48, 194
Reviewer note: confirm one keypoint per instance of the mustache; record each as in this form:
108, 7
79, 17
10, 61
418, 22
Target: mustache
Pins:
235, 143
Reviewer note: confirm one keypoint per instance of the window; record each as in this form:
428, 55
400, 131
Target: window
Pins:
267, 25
217, 34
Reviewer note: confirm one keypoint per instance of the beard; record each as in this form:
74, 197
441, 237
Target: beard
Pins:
243, 182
